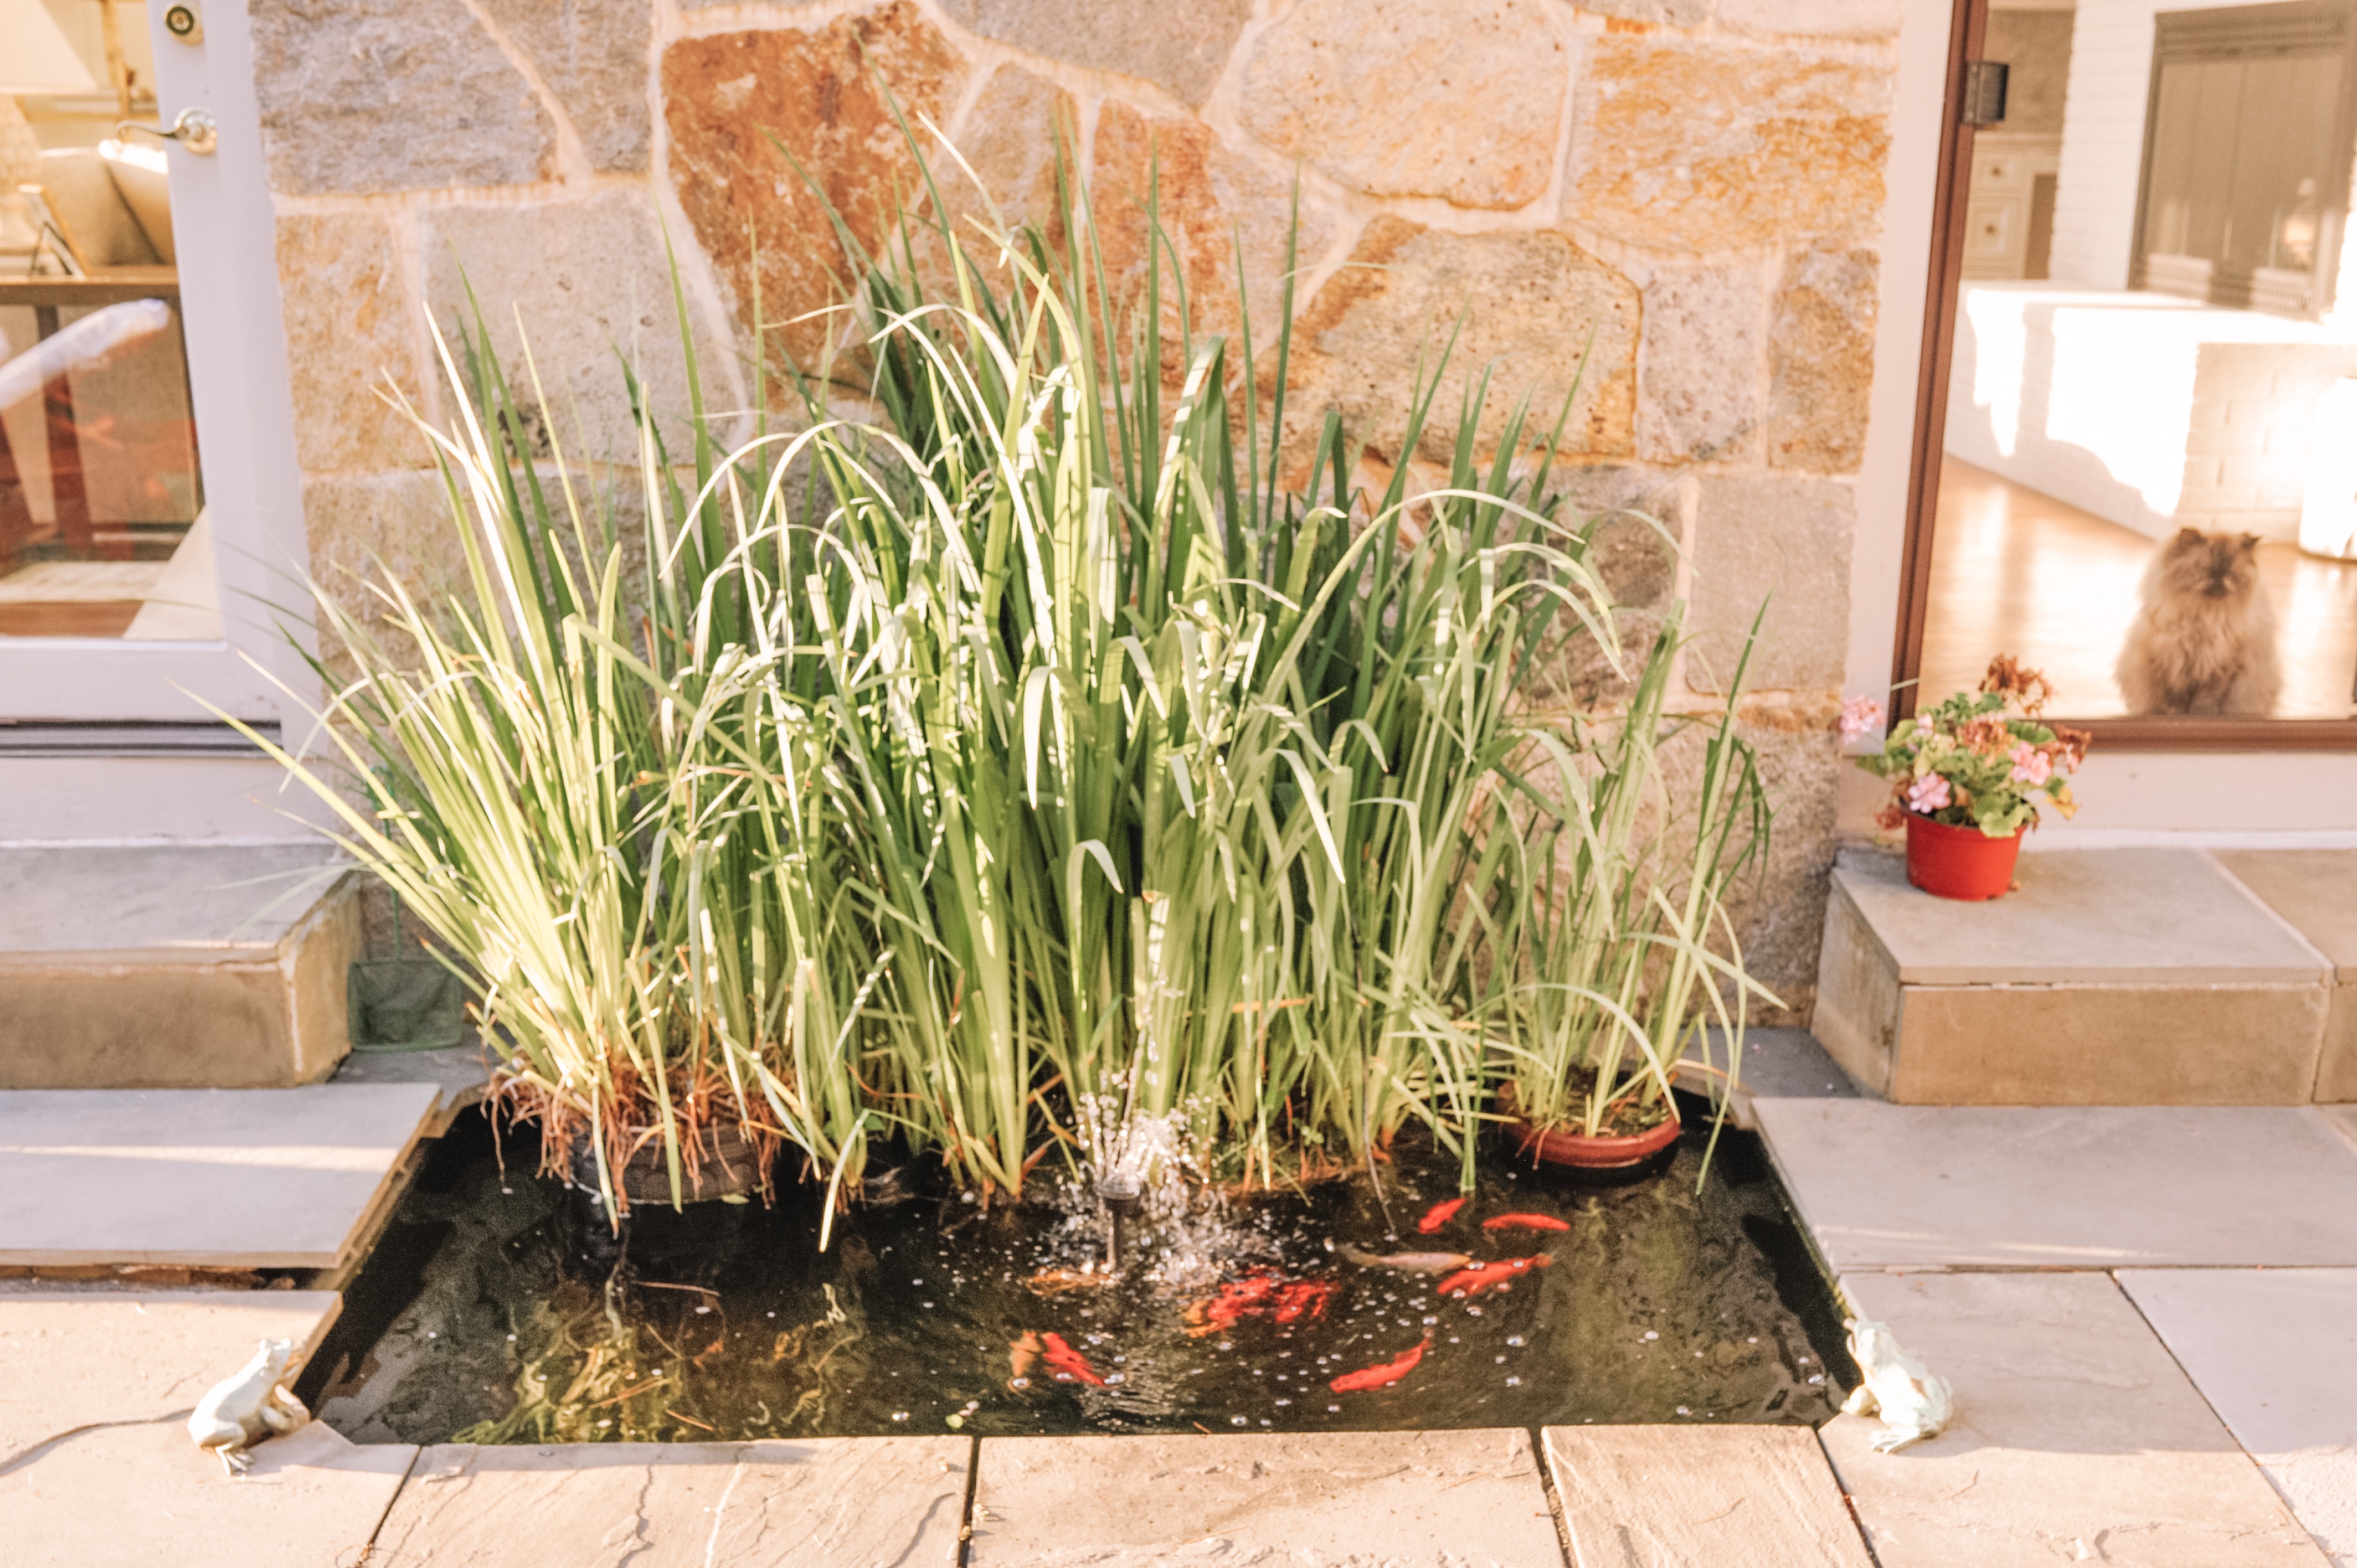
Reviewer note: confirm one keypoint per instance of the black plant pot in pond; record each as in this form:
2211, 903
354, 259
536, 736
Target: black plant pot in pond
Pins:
722, 1162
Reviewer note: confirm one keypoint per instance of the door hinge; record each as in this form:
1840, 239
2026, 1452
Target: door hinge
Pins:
1985, 81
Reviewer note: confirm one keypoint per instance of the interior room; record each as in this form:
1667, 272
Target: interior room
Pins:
2148, 489
101, 503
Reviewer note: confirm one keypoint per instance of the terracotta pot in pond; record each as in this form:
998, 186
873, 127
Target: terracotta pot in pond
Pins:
726, 1166
1584, 1150
1602, 1152
1960, 862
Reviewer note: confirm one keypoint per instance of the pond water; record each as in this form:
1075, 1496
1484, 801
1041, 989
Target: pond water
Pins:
488, 1314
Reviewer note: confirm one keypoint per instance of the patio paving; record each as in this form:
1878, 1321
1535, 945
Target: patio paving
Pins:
96, 1468
217, 1178
849, 1502
1883, 1186
2076, 1437
459, 1075
1641, 1497
2274, 1352
1447, 1500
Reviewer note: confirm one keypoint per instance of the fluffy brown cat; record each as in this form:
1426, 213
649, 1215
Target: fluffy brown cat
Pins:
2204, 641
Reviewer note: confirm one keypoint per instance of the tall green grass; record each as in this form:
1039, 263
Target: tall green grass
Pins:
1026, 739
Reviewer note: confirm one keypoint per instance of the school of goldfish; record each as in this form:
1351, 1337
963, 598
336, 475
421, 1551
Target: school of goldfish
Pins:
1265, 1293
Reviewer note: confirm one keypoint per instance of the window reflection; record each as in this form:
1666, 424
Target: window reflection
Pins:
101, 530
2149, 486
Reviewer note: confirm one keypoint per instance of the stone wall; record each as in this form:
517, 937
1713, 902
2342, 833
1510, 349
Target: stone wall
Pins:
1685, 194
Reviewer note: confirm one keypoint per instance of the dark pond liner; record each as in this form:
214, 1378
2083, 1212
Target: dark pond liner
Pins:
495, 1308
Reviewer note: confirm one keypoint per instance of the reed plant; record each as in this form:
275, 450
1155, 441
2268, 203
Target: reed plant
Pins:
1622, 950
997, 734
571, 778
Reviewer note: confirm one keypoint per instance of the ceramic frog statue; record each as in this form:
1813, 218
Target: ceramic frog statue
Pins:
1913, 1400
242, 1409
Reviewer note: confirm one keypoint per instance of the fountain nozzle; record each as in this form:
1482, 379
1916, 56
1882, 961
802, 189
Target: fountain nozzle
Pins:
1123, 1195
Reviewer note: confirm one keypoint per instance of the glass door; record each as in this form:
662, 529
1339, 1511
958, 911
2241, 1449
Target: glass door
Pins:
151, 541
2138, 468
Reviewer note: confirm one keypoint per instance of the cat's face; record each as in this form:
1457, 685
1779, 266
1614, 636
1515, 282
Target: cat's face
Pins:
2212, 565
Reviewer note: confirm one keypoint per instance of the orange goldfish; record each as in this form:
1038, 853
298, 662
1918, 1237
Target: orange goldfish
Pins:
1480, 1277
1070, 1364
1438, 1215
1383, 1376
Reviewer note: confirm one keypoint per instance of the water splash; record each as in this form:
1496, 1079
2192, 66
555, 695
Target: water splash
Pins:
1183, 1232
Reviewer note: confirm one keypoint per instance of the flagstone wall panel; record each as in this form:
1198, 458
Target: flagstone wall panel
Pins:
592, 59
1685, 194
378, 95
1456, 98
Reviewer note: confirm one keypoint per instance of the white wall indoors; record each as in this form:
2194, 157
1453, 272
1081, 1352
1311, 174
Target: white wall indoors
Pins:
2103, 137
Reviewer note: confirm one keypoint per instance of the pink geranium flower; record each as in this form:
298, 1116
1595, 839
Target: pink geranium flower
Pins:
1928, 794
1858, 715
2031, 766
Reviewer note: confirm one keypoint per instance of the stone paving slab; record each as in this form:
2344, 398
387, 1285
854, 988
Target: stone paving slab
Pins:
2344, 1118
1364, 1500
845, 1502
2309, 888
2274, 1352
143, 1494
2075, 1438
1885, 1185
96, 1468
1645, 1496
459, 1075
77, 1360
2088, 917
222, 1178
163, 904
1777, 1064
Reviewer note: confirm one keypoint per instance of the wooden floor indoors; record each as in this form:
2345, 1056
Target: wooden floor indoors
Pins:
2014, 571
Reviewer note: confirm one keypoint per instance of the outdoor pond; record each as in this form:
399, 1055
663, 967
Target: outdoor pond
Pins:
496, 1308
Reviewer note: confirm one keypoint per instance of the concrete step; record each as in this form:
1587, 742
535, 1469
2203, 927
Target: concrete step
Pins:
2316, 891
2111, 977
180, 966
259, 1178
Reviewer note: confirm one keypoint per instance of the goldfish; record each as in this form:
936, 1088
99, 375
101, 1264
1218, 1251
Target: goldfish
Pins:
1383, 1376
1070, 1364
1056, 1282
1247, 1297
1302, 1296
1524, 1222
1022, 1355
1472, 1282
1438, 1215
1407, 1263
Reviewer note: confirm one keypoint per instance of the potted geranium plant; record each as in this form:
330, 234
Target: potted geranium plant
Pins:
1967, 778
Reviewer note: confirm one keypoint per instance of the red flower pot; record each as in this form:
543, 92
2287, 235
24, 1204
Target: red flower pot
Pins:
1960, 862
1607, 1153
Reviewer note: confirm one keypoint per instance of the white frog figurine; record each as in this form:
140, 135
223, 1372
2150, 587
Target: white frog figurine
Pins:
1913, 1400
240, 1410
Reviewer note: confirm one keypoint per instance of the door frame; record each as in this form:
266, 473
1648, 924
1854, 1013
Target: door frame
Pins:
224, 230
1951, 194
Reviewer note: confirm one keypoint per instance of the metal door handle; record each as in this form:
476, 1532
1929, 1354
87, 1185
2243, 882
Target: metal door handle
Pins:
196, 129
